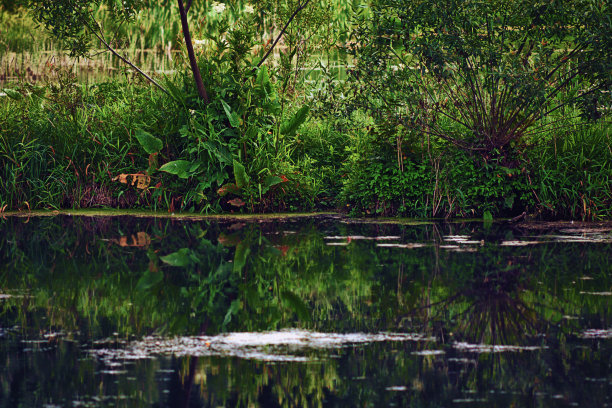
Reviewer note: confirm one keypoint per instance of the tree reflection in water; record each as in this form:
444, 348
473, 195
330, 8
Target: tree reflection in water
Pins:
71, 284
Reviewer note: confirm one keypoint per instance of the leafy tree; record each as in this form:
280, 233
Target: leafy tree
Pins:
74, 23
9, 5
485, 74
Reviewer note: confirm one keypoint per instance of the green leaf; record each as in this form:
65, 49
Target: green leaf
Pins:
487, 216
272, 181
150, 143
148, 280
242, 179
290, 126
240, 257
232, 310
296, 304
177, 94
233, 117
178, 167
178, 258
269, 181
13, 94
220, 152
262, 76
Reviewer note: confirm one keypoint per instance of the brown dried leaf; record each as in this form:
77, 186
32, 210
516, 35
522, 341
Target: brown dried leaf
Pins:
140, 239
153, 162
228, 188
122, 178
141, 181
236, 202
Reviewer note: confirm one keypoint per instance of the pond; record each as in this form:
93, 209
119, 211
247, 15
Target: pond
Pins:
129, 311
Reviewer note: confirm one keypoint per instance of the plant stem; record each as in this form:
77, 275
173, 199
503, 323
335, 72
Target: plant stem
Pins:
295, 13
128, 62
192, 59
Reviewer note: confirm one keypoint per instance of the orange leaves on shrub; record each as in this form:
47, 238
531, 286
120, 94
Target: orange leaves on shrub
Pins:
139, 180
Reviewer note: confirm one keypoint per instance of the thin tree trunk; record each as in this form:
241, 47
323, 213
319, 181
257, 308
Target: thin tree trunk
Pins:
192, 59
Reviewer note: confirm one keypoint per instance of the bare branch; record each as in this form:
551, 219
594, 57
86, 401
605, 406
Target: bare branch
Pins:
100, 37
301, 6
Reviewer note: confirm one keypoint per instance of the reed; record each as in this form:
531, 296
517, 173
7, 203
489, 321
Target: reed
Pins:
573, 174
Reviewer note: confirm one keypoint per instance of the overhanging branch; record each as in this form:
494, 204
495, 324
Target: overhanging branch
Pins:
100, 37
295, 13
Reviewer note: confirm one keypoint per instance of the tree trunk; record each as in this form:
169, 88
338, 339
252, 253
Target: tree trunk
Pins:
192, 59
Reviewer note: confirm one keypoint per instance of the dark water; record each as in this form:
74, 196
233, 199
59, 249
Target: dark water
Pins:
130, 312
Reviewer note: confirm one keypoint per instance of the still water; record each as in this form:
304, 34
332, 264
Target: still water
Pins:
318, 311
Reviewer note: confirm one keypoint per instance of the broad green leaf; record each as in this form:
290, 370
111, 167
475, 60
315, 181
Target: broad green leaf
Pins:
220, 152
297, 305
262, 76
233, 117
240, 257
233, 309
242, 179
13, 94
148, 280
290, 126
178, 167
272, 181
150, 143
178, 258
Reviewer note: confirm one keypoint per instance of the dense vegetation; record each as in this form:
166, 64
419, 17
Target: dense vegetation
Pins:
421, 108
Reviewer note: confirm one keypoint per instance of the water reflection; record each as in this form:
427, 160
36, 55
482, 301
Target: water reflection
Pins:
129, 311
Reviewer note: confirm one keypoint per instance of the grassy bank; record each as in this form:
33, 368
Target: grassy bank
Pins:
271, 139
65, 145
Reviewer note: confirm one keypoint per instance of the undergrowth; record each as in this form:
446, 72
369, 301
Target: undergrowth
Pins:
271, 140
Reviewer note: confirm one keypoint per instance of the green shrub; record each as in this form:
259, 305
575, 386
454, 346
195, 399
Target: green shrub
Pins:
470, 186
494, 69
573, 175
63, 143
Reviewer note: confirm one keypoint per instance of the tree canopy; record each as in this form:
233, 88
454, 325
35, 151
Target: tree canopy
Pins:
487, 72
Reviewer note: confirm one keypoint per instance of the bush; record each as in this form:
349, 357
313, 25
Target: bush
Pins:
63, 143
573, 175
483, 74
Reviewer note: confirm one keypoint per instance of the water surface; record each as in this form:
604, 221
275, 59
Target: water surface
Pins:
317, 311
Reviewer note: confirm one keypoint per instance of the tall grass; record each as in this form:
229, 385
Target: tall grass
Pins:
62, 144
153, 41
573, 174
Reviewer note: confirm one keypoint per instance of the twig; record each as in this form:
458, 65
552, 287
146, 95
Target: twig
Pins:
295, 13
125, 60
